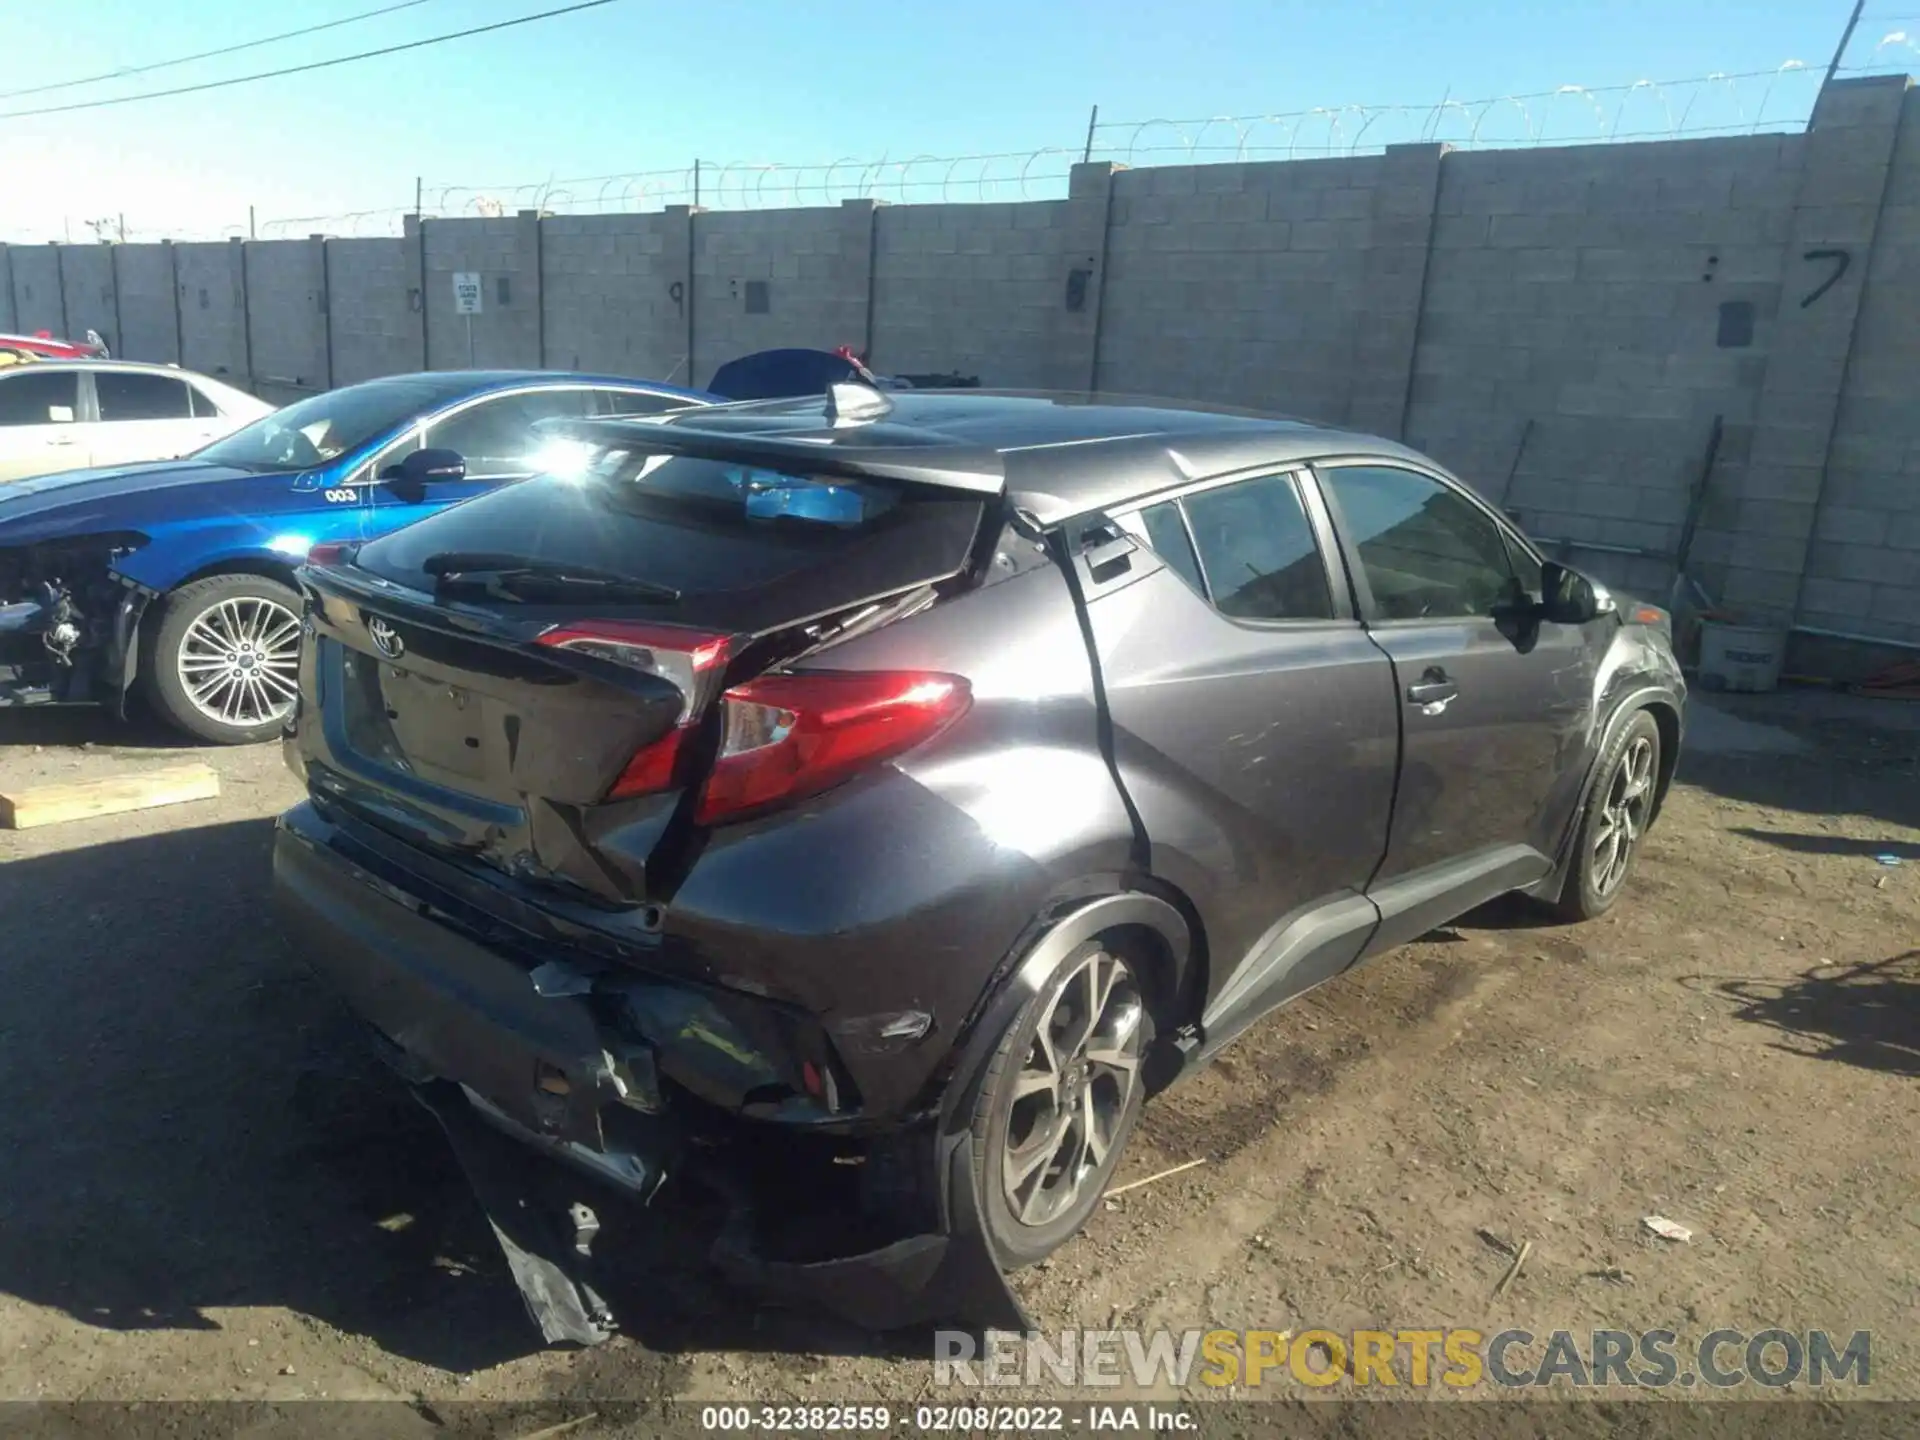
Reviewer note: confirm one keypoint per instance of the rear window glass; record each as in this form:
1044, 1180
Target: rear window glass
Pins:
706, 528
756, 494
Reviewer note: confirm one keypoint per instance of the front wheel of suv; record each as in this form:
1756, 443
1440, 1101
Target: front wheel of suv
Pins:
1060, 1100
224, 661
1619, 808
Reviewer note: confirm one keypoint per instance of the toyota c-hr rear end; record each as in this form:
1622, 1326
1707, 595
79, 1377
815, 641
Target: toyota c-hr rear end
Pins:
854, 809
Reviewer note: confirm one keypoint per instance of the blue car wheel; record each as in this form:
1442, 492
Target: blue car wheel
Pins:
224, 662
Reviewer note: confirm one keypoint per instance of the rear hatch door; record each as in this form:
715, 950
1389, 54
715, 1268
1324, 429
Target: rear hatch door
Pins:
484, 684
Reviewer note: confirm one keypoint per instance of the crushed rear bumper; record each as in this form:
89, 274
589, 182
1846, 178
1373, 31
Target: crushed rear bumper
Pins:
504, 1067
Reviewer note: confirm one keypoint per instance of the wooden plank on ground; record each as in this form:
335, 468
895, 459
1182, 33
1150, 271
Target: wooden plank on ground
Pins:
110, 795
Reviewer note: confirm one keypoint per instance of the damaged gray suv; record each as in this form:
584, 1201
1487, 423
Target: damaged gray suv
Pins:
875, 799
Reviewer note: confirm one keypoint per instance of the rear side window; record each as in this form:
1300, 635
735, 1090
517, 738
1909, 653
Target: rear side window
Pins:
39, 397
203, 406
125, 395
1259, 552
1167, 533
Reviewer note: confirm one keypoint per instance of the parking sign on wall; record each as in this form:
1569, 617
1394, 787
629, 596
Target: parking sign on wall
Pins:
466, 292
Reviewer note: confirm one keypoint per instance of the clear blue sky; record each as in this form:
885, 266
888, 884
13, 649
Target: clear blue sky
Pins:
639, 85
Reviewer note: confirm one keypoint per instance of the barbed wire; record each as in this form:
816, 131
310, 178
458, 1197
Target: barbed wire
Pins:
1896, 50
758, 185
1718, 104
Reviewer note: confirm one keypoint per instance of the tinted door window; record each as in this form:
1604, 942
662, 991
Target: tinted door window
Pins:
1167, 533
1427, 552
39, 397
496, 437
1256, 544
125, 395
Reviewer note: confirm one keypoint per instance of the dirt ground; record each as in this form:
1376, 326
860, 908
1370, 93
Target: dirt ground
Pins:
209, 1196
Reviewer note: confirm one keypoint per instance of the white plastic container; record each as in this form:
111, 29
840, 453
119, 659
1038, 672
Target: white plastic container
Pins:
1740, 657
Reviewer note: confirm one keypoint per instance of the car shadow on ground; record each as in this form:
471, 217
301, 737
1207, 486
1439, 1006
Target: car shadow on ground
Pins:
206, 1132
75, 726
1809, 844
1867, 1014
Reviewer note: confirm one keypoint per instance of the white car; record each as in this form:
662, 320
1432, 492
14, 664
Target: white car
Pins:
76, 414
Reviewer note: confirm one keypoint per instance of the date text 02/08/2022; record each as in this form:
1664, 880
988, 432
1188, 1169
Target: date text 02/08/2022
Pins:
944, 1419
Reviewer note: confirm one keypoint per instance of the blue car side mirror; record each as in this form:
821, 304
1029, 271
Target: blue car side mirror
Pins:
425, 466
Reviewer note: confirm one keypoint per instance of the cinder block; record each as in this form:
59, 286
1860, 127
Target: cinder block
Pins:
1779, 519
1459, 232
1879, 564
1780, 554
1798, 484
1836, 597
1897, 604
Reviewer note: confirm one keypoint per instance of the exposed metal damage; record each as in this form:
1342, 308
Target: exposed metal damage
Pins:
69, 624
630, 1083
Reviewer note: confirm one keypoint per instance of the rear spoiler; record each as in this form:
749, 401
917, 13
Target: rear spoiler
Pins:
896, 454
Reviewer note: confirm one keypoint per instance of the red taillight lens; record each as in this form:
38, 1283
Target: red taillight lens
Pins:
330, 552
792, 735
692, 661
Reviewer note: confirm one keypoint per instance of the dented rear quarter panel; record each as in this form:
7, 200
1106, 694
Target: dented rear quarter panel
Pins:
908, 889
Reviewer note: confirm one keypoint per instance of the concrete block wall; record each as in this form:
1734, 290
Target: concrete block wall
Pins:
1862, 571
1602, 304
1842, 178
1241, 283
814, 263
617, 292
505, 252
1577, 305
87, 282
287, 318
210, 280
374, 299
37, 303
978, 290
148, 329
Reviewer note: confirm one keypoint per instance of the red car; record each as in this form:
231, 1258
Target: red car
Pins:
42, 346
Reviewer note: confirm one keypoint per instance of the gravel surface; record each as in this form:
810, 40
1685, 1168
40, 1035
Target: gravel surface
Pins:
210, 1194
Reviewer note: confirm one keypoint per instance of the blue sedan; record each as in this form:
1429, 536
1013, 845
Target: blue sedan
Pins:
176, 579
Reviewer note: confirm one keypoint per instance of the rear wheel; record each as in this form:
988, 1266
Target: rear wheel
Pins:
1061, 1098
1619, 809
224, 663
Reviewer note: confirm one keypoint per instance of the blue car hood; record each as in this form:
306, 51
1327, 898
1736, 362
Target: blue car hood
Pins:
87, 499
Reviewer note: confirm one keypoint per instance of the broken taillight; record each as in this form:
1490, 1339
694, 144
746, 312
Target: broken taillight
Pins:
689, 660
786, 736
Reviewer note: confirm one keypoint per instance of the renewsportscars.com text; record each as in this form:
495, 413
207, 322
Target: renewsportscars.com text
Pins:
1413, 1359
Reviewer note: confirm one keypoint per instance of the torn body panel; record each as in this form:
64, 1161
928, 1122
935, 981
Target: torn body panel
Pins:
67, 621
639, 1081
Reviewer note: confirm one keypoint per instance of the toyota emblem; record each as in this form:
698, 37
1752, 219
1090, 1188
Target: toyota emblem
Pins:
385, 638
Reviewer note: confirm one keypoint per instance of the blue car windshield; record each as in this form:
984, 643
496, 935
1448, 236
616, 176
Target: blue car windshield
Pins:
324, 427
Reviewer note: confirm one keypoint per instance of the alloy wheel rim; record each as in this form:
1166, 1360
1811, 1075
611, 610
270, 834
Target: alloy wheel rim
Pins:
1622, 818
1073, 1090
239, 662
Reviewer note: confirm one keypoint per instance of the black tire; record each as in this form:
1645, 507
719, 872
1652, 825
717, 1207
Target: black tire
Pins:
215, 599
1005, 1120
1625, 785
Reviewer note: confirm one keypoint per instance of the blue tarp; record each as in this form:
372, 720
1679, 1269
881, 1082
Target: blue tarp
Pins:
780, 374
